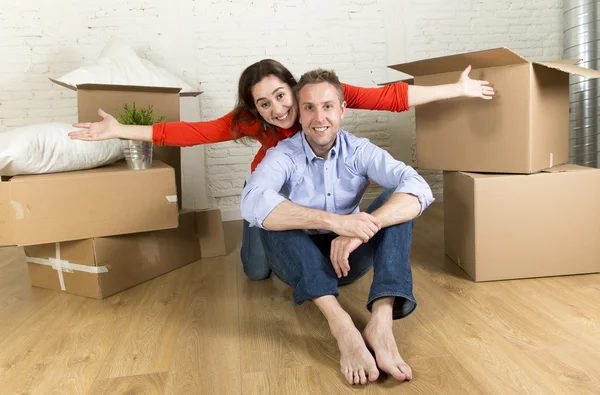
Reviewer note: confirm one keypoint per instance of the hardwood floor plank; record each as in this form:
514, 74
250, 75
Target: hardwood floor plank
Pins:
480, 349
269, 326
303, 380
72, 353
207, 353
147, 343
147, 384
25, 352
574, 364
441, 375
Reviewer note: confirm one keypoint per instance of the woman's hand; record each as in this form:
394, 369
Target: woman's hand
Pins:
106, 129
474, 88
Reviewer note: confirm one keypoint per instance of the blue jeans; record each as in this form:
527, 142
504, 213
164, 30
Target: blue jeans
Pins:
302, 261
253, 255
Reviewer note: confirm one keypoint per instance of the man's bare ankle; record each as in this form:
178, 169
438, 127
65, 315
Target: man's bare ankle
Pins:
340, 324
383, 309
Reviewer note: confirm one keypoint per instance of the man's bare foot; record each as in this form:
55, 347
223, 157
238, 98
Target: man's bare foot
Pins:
379, 336
357, 363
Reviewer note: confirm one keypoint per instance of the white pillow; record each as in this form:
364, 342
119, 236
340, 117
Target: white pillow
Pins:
118, 64
47, 148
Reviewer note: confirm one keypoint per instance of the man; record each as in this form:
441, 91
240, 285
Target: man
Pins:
317, 239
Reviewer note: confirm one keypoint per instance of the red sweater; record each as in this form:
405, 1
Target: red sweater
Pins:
393, 97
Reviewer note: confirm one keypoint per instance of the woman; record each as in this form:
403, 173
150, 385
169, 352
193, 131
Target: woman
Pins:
267, 111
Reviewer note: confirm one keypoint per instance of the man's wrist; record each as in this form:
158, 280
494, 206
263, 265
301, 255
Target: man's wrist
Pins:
328, 220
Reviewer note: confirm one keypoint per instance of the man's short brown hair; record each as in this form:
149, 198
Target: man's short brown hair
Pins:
317, 76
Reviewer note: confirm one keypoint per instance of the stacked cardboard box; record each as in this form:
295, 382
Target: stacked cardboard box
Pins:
97, 232
513, 207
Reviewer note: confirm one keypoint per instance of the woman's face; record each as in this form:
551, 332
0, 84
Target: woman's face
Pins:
275, 102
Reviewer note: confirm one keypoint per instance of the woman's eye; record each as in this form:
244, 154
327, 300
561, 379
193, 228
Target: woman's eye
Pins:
279, 96
264, 105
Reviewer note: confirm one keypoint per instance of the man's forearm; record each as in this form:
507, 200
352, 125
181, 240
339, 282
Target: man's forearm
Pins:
400, 208
426, 94
288, 216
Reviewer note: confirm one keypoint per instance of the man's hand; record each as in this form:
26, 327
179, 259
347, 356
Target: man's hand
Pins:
341, 247
361, 225
474, 88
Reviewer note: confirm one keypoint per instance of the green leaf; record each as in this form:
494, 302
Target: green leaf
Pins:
134, 116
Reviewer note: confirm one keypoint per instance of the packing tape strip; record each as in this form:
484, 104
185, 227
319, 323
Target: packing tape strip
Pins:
61, 266
172, 198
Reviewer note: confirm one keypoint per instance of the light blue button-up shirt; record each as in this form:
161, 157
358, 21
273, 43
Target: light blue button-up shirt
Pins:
336, 184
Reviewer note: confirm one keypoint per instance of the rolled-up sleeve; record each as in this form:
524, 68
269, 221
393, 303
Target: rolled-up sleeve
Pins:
261, 193
388, 172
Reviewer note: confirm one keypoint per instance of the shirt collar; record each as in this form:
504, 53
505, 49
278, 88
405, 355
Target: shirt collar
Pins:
310, 155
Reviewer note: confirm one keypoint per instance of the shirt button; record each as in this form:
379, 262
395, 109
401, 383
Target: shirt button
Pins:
329, 194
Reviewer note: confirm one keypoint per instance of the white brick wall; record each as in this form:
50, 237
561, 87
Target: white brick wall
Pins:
211, 42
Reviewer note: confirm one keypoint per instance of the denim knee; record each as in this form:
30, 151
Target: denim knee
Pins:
252, 254
256, 272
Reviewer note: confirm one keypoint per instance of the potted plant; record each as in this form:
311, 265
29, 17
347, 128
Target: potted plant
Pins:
138, 154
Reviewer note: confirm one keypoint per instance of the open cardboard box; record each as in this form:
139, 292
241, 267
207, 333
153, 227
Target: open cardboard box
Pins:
111, 98
523, 129
506, 226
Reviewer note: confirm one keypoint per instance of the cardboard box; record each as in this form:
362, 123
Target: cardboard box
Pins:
106, 201
165, 102
518, 226
101, 267
523, 129
209, 226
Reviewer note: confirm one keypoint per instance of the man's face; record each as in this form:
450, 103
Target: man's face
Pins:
320, 114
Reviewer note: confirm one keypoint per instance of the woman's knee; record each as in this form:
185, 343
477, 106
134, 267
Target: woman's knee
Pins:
257, 272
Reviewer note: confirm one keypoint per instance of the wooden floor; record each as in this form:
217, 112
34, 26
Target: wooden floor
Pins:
206, 329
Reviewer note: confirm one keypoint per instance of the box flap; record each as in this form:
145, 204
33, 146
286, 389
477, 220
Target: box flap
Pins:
480, 59
567, 61
568, 167
571, 69
57, 82
488, 175
129, 88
